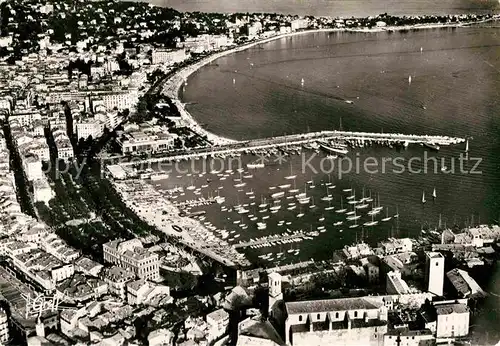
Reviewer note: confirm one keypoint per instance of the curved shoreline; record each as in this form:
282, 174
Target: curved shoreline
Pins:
172, 86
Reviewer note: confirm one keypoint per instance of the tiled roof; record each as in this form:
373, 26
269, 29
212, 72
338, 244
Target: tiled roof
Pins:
446, 309
326, 305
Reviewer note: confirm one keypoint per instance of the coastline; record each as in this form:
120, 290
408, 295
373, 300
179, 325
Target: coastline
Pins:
172, 85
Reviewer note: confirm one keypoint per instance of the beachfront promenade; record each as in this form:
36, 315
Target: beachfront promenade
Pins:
297, 139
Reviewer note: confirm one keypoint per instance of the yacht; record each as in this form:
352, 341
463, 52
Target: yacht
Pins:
342, 209
371, 223
285, 186
255, 165
278, 194
312, 203
291, 176
387, 217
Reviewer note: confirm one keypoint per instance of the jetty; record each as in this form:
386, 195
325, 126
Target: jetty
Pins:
272, 240
195, 202
278, 142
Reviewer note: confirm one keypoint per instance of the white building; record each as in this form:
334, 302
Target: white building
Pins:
168, 56
131, 255
254, 29
395, 284
275, 292
89, 127
299, 24
42, 192
4, 327
140, 142
117, 279
408, 337
452, 320
120, 100
218, 323
434, 269
347, 321
32, 167
160, 337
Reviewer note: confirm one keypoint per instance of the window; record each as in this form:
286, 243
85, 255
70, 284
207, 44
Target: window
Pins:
413, 338
437, 264
300, 318
355, 314
375, 329
336, 315
318, 316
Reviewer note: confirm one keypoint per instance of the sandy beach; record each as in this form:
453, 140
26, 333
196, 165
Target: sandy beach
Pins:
173, 84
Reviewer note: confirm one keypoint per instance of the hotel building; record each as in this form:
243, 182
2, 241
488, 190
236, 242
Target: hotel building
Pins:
131, 255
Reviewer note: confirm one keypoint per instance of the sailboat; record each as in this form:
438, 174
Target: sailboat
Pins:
299, 215
371, 223
353, 217
234, 81
330, 206
409, 79
263, 203
312, 203
311, 186
396, 216
434, 193
423, 197
291, 176
294, 190
354, 225
342, 209
387, 217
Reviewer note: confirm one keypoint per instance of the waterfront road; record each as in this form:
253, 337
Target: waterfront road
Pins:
283, 141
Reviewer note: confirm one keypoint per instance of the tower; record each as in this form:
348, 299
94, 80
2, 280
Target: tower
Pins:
434, 272
275, 293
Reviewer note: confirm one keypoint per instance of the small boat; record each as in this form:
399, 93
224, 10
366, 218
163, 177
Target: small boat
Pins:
338, 223
261, 226
312, 203
341, 210
291, 176
321, 219
431, 146
278, 195
434, 195
444, 168
285, 186
272, 187
239, 185
396, 216
423, 197
387, 217
255, 165
330, 206
371, 223
467, 146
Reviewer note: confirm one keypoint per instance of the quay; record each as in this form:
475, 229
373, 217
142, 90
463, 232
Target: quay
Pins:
270, 239
293, 266
297, 139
